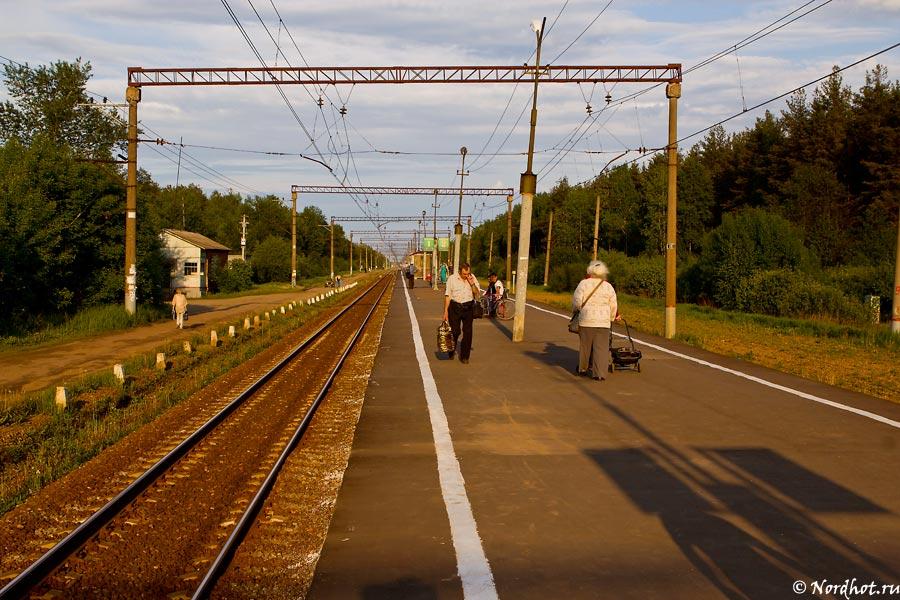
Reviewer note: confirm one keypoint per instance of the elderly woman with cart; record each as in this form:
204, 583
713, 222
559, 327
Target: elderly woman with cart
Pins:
595, 307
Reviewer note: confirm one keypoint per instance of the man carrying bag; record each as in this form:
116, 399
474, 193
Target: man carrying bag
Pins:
459, 306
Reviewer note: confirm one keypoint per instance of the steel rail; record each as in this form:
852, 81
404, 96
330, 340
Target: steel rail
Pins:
226, 554
69, 545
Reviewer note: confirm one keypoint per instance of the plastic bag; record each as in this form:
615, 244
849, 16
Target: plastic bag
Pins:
445, 338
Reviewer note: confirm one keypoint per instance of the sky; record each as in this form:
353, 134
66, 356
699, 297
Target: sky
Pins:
435, 121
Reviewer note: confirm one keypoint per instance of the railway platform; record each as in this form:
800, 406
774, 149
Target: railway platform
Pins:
700, 477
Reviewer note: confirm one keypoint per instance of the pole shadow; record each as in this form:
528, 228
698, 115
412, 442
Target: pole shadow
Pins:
745, 518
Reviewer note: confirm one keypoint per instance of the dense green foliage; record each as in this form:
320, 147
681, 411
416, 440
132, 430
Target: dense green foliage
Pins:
235, 276
62, 201
794, 216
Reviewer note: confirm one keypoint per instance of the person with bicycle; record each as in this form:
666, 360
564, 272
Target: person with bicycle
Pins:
494, 294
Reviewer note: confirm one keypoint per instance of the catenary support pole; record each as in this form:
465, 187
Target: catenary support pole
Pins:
457, 229
469, 240
332, 248
351, 254
527, 187
596, 224
509, 201
491, 253
293, 239
434, 251
132, 96
673, 93
895, 308
549, 245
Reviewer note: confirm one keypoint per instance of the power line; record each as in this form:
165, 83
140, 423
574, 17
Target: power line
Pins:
752, 38
583, 31
764, 103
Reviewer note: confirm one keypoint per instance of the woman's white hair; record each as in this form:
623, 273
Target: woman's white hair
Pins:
597, 268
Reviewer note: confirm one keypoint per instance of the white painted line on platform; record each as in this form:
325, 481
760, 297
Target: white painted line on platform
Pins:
759, 380
471, 562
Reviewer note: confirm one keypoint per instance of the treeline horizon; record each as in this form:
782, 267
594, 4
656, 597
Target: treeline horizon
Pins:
804, 203
62, 209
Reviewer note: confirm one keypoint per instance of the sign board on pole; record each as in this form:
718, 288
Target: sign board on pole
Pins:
428, 244
444, 244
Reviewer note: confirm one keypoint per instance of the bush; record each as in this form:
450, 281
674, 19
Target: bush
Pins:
641, 276
746, 242
565, 278
272, 260
788, 293
235, 276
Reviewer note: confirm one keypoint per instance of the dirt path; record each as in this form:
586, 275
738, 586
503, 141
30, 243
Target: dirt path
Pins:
37, 368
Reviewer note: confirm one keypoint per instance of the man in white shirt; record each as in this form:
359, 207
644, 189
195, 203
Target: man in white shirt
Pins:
459, 301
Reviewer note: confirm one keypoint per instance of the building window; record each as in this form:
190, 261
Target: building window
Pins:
190, 267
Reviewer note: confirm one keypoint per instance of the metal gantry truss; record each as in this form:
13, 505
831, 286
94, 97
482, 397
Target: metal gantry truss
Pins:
439, 219
141, 77
399, 191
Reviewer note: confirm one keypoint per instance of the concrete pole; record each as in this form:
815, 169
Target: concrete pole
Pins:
457, 229
132, 96
434, 251
491, 253
351, 254
549, 244
509, 200
895, 310
469, 240
596, 225
527, 187
673, 93
293, 238
332, 248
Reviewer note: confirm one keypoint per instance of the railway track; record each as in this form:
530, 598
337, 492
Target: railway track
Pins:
174, 530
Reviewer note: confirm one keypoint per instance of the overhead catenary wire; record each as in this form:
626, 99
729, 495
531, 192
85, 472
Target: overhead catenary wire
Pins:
764, 103
746, 41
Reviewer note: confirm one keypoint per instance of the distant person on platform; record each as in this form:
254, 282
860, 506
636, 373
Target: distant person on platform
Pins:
445, 272
595, 299
459, 302
179, 307
411, 275
338, 282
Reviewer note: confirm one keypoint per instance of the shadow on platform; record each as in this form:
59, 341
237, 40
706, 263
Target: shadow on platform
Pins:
743, 517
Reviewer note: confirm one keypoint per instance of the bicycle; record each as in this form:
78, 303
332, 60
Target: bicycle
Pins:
503, 309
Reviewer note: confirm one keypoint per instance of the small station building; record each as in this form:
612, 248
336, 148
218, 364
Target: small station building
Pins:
192, 257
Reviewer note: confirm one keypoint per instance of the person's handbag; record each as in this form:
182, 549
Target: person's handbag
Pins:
445, 338
573, 322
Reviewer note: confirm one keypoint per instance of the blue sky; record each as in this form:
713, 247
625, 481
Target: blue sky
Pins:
114, 35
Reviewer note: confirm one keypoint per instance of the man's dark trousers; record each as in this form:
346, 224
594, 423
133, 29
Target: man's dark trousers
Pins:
461, 319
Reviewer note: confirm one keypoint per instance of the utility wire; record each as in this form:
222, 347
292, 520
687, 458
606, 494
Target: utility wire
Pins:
763, 103
752, 38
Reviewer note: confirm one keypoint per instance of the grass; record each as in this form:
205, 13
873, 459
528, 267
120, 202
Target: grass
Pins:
87, 322
857, 358
111, 317
39, 444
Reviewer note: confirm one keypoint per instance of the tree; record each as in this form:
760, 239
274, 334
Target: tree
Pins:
45, 101
695, 201
272, 260
746, 242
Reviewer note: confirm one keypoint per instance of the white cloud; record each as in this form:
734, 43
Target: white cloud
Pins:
114, 35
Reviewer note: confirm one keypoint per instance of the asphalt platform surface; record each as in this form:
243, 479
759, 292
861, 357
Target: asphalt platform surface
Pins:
681, 481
